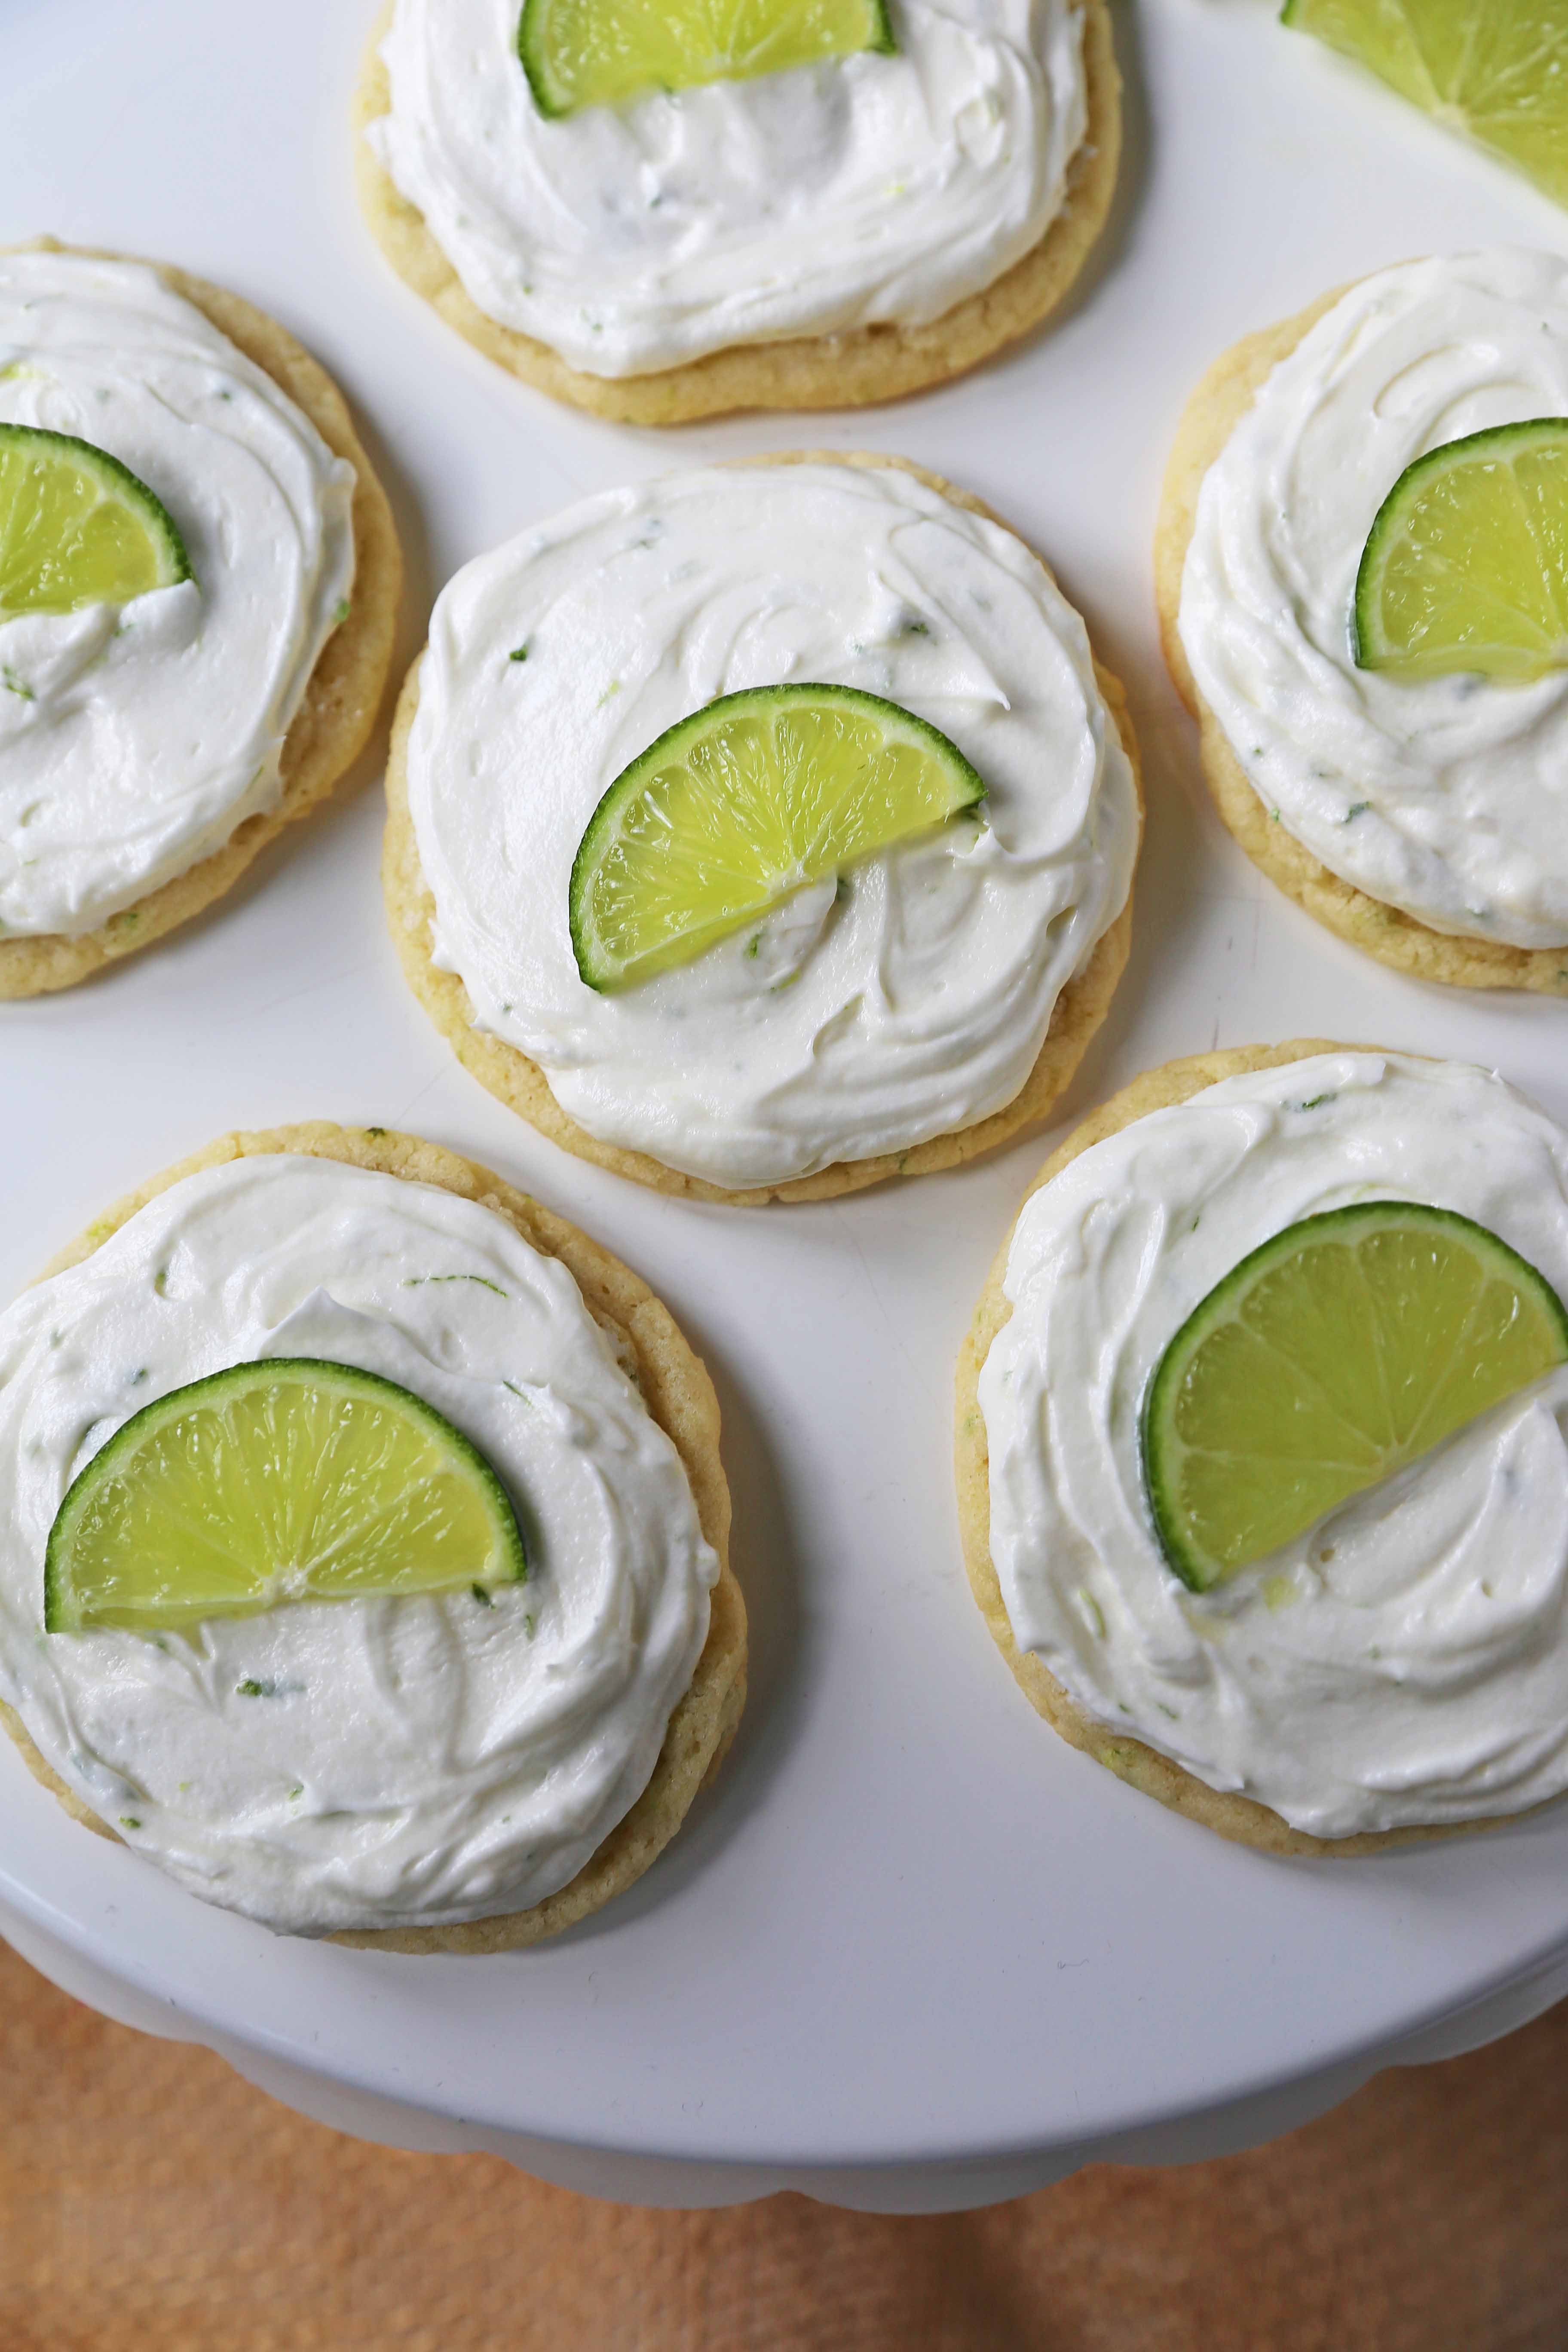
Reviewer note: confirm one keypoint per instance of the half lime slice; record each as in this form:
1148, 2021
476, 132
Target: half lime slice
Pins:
1342, 1349
1466, 566
290, 1480
745, 802
1496, 68
77, 527
580, 53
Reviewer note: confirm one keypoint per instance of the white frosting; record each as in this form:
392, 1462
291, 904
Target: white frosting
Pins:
911, 1000
1405, 1661
801, 203
134, 739
1447, 798
404, 1761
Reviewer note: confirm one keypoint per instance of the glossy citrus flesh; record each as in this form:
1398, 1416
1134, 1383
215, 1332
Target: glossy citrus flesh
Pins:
735, 807
1341, 1350
77, 527
580, 53
1466, 567
1495, 69
296, 1479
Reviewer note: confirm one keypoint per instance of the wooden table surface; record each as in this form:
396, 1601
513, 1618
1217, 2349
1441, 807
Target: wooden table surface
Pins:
151, 2198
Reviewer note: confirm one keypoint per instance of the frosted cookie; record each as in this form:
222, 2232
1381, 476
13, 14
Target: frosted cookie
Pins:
199, 581
1399, 1665
840, 232
464, 1768
896, 1015
1425, 819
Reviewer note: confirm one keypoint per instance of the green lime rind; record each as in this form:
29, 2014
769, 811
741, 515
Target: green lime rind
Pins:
734, 808
581, 53
1333, 1355
1496, 69
1466, 565
294, 1479
77, 527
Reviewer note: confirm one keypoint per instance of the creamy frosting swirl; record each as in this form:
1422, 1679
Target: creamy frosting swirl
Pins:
803, 203
912, 999
357, 1763
134, 739
1403, 1663
1447, 798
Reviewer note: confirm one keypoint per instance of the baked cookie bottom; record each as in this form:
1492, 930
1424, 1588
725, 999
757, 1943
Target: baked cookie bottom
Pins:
843, 371
1395, 938
1241, 1818
343, 695
522, 1086
679, 1394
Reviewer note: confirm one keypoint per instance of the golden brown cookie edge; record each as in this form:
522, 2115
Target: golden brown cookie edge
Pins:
1242, 1820
864, 364
522, 1085
345, 691
1220, 401
678, 1393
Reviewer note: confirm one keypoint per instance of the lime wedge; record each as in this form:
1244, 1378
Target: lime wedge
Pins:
1466, 566
1345, 1348
743, 803
1496, 68
77, 527
580, 53
290, 1480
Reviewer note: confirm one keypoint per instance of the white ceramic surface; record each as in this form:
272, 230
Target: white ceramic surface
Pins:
912, 1950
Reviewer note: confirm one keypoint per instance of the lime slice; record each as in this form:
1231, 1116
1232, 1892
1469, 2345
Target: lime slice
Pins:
743, 803
1466, 566
290, 1480
1345, 1348
580, 53
77, 527
1496, 68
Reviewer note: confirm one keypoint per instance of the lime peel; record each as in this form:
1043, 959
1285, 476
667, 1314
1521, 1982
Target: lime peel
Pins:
743, 803
1334, 1355
77, 527
291, 1479
578, 53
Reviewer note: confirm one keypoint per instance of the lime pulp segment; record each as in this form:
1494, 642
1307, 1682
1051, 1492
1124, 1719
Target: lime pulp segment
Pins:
580, 53
296, 1479
1495, 69
1466, 566
1337, 1352
77, 527
743, 803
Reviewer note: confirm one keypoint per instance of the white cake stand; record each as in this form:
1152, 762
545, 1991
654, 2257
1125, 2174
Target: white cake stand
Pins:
912, 1952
